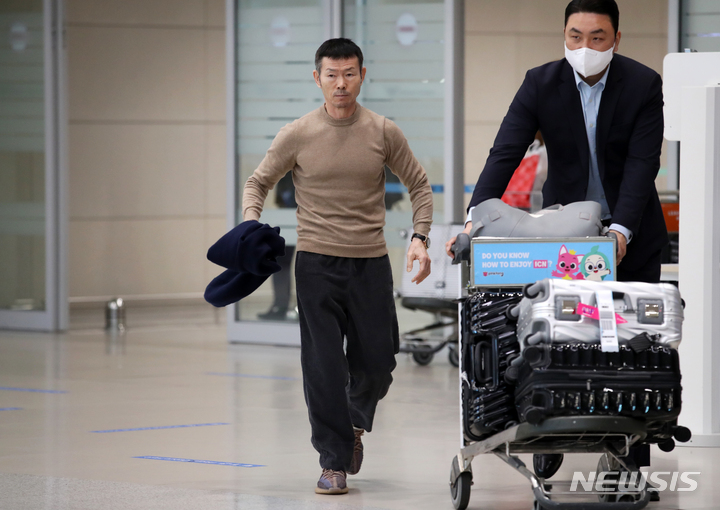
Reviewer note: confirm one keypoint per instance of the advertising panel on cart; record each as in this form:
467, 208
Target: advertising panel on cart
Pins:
509, 262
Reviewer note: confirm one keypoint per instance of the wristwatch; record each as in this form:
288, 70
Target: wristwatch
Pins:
425, 239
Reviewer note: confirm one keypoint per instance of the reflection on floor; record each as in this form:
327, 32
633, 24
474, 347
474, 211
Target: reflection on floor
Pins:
168, 415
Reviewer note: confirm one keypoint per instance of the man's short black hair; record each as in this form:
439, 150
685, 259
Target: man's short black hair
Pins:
338, 49
607, 7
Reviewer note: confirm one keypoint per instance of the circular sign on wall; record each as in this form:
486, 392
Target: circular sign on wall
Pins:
280, 31
406, 29
19, 36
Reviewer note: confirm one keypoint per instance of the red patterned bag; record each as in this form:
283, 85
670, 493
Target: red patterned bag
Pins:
517, 193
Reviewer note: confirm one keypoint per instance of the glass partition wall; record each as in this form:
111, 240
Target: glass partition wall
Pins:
274, 46
32, 225
403, 46
700, 25
271, 49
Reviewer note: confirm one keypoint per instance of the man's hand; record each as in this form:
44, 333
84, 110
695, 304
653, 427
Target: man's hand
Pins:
621, 245
418, 252
448, 245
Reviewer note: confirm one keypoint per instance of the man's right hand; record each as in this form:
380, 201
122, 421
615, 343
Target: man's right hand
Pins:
448, 245
621, 245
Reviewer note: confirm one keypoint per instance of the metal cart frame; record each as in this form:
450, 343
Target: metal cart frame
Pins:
609, 435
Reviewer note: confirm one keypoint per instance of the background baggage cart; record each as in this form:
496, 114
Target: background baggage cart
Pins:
436, 295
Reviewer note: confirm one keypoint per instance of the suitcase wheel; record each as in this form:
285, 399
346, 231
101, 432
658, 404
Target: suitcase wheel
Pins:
511, 374
534, 416
532, 290
667, 446
533, 355
682, 434
540, 402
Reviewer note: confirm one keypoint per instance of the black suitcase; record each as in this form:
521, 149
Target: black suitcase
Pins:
580, 379
489, 342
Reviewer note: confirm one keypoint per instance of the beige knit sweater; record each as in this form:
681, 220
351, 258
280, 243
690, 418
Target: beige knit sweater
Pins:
338, 169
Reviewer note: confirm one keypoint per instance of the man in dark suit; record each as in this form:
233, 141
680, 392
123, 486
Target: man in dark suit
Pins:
609, 154
602, 120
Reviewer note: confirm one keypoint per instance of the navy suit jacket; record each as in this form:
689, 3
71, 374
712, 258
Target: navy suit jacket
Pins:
629, 140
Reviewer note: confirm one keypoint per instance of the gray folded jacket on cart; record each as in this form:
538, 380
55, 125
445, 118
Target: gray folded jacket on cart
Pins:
495, 218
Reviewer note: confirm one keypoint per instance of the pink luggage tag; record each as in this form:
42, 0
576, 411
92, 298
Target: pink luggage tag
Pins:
594, 313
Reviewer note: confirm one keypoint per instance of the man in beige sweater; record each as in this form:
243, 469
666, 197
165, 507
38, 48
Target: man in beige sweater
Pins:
337, 155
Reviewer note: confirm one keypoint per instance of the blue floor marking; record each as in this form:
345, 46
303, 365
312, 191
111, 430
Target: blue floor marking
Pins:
7, 388
280, 378
158, 428
215, 462
10, 408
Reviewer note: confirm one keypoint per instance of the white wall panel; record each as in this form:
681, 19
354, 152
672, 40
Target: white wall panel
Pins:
147, 138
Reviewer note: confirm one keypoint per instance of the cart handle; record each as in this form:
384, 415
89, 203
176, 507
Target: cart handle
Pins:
461, 248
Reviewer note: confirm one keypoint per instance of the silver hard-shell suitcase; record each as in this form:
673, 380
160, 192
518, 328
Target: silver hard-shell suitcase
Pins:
549, 312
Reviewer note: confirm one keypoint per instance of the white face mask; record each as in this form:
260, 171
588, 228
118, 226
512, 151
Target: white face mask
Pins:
588, 62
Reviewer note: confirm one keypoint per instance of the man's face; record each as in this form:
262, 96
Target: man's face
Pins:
589, 30
340, 81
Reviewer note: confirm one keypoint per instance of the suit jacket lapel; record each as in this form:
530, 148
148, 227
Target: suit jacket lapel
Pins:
610, 97
573, 107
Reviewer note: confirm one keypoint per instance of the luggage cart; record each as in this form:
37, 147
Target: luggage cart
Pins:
611, 436
421, 342
436, 295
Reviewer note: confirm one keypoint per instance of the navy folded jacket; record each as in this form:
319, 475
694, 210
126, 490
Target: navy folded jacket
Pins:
249, 252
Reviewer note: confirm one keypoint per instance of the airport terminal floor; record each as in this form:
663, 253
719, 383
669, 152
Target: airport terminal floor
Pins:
169, 416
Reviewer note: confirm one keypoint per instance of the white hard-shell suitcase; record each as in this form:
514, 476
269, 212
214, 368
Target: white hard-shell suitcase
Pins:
549, 312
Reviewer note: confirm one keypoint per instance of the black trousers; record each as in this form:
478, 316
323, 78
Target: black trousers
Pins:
344, 298
649, 273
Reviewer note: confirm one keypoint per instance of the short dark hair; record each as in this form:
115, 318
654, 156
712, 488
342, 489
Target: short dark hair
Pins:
338, 49
607, 7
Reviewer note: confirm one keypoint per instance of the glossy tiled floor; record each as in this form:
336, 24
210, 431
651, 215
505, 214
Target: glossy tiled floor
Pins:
71, 406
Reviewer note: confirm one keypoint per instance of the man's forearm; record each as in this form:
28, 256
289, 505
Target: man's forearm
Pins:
254, 194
